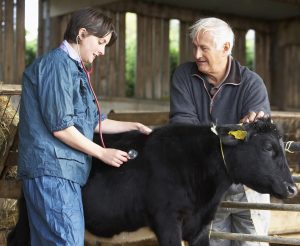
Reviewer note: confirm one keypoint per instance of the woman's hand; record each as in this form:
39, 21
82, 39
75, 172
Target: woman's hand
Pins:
113, 157
143, 129
114, 126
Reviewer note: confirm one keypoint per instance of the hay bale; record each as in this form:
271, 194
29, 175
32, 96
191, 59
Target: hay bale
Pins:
8, 213
9, 120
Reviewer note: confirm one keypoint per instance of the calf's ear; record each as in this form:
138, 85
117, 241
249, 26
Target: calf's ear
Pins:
231, 135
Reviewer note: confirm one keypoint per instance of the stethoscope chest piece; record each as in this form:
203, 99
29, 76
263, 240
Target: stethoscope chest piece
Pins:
132, 154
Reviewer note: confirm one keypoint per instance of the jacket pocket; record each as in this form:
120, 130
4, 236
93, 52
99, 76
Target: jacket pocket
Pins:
70, 155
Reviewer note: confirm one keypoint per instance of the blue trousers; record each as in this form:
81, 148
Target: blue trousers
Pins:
55, 211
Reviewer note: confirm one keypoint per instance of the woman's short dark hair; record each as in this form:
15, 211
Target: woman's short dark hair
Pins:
95, 22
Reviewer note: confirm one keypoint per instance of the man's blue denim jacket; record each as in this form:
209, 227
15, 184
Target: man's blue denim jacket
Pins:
55, 95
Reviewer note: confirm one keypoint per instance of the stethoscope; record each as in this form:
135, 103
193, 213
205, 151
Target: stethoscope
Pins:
132, 153
93, 92
96, 101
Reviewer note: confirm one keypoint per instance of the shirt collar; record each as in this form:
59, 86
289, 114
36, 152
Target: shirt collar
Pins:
234, 75
66, 47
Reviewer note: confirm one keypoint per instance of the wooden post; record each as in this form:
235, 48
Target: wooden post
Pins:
1, 42
20, 41
112, 68
55, 26
262, 57
147, 56
239, 48
9, 43
41, 28
120, 61
291, 76
157, 58
165, 60
185, 50
140, 70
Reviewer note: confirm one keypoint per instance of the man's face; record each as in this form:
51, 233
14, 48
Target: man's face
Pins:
209, 59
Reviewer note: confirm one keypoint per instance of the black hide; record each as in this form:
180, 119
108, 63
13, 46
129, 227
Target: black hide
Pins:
178, 178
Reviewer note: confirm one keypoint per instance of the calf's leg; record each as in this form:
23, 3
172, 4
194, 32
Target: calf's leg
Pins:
202, 239
167, 230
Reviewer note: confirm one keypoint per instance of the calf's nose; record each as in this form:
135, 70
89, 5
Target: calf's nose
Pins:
292, 190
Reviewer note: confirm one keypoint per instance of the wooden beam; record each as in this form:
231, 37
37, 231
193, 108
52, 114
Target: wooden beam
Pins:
20, 41
147, 56
292, 2
157, 62
148, 118
184, 14
140, 63
9, 42
239, 48
2, 18
121, 83
41, 28
165, 60
10, 89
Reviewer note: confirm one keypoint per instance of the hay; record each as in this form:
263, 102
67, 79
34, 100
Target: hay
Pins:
9, 120
8, 217
8, 213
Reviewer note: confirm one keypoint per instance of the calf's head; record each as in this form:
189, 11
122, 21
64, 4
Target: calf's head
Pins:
254, 156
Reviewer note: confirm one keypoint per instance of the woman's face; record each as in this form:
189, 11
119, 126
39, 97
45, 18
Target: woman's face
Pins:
92, 46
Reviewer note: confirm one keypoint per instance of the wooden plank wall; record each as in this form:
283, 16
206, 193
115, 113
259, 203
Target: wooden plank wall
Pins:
12, 40
292, 76
108, 76
262, 58
153, 64
153, 70
239, 48
105, 69
185, 43
285, 65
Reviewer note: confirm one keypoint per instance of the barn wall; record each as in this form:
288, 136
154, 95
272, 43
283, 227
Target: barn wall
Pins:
262, 58
62, 7
12, 40
153, 71
239, 47
286, 64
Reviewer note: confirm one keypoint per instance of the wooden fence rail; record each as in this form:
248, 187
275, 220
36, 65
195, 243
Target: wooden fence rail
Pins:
262, 206
255, 238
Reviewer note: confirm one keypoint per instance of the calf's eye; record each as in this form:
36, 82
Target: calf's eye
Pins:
268, 147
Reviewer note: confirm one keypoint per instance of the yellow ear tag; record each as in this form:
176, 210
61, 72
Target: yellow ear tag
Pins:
238, 134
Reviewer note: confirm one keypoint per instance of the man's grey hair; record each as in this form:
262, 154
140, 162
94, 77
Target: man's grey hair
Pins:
219, 30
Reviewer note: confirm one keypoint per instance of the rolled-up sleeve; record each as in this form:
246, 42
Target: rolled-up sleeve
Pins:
55, 93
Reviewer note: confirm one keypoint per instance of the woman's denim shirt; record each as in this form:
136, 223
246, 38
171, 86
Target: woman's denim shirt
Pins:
55, 95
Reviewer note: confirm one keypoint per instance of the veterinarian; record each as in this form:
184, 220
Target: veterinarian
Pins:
216, 88
58, 117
